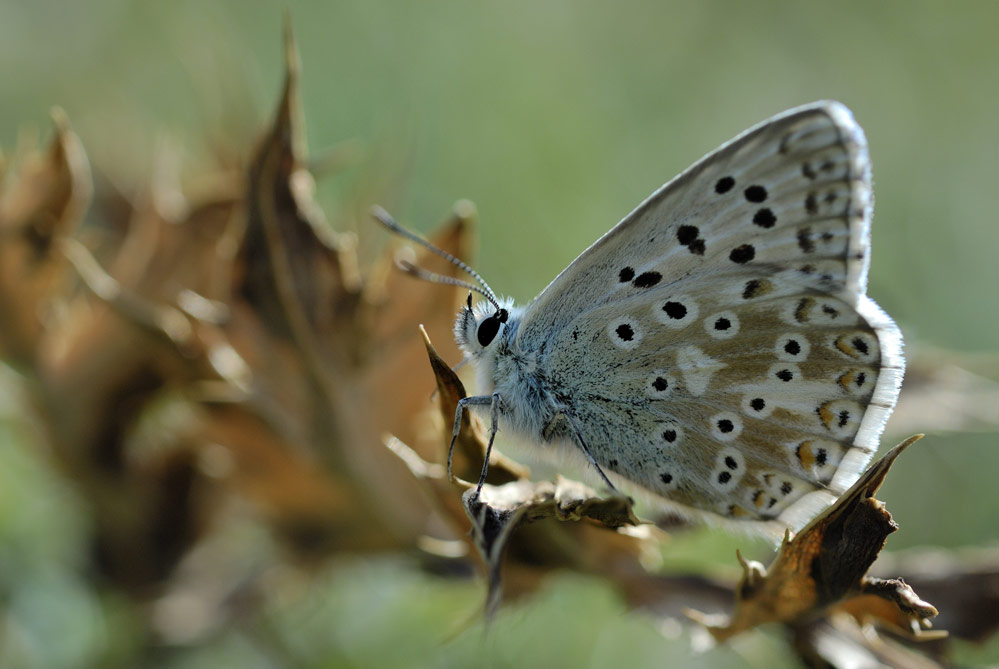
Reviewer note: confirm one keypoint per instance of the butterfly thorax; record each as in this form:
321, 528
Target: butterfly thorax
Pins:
529, 406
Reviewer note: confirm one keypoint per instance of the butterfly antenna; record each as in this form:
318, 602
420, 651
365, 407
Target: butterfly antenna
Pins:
434, 277
386, 219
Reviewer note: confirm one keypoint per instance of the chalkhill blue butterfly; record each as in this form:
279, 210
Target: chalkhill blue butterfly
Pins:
716, 350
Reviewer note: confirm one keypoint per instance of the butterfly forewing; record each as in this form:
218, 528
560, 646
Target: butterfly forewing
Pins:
716, 346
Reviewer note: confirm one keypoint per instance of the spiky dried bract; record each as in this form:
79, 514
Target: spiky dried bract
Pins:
470, 446
825, 566
963, 585
893, 603
497, 512
41, 203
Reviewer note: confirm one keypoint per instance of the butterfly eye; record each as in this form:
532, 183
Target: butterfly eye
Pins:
490, 327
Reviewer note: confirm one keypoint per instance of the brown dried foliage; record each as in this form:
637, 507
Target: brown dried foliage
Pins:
242, 315
181, 351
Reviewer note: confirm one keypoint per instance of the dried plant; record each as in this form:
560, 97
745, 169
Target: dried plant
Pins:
179, 352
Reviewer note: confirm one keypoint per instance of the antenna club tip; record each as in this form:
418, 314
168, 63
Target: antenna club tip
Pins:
382, 216
465, 209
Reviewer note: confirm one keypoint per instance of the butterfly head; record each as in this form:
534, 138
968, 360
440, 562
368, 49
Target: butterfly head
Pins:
479, 327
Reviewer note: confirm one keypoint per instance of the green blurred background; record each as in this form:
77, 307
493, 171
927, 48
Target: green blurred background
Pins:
556, 119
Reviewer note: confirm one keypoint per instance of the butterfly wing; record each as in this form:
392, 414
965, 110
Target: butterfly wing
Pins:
717, 346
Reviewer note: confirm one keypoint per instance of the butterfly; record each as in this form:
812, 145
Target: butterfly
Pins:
715, 351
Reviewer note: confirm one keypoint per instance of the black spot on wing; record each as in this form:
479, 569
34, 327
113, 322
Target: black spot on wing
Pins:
648, 279
765, 218
689, 236
724, 185
742, 254
755, 193
675, 310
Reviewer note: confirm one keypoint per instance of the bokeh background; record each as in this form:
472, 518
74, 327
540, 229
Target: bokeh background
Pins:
555, 119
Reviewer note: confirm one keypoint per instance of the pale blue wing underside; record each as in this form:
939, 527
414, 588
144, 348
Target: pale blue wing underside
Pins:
717, 345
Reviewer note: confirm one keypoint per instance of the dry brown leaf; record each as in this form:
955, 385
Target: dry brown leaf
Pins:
825, 565
95, 372
964, 585
291, 413
499, 511
299, 275
42, 206
314, 509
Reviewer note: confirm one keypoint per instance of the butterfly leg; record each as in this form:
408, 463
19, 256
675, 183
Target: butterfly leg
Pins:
493, 401
589, 456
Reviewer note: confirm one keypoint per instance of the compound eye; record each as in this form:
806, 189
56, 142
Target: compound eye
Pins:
488, 329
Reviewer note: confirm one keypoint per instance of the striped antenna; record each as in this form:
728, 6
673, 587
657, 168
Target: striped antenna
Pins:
386, 219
